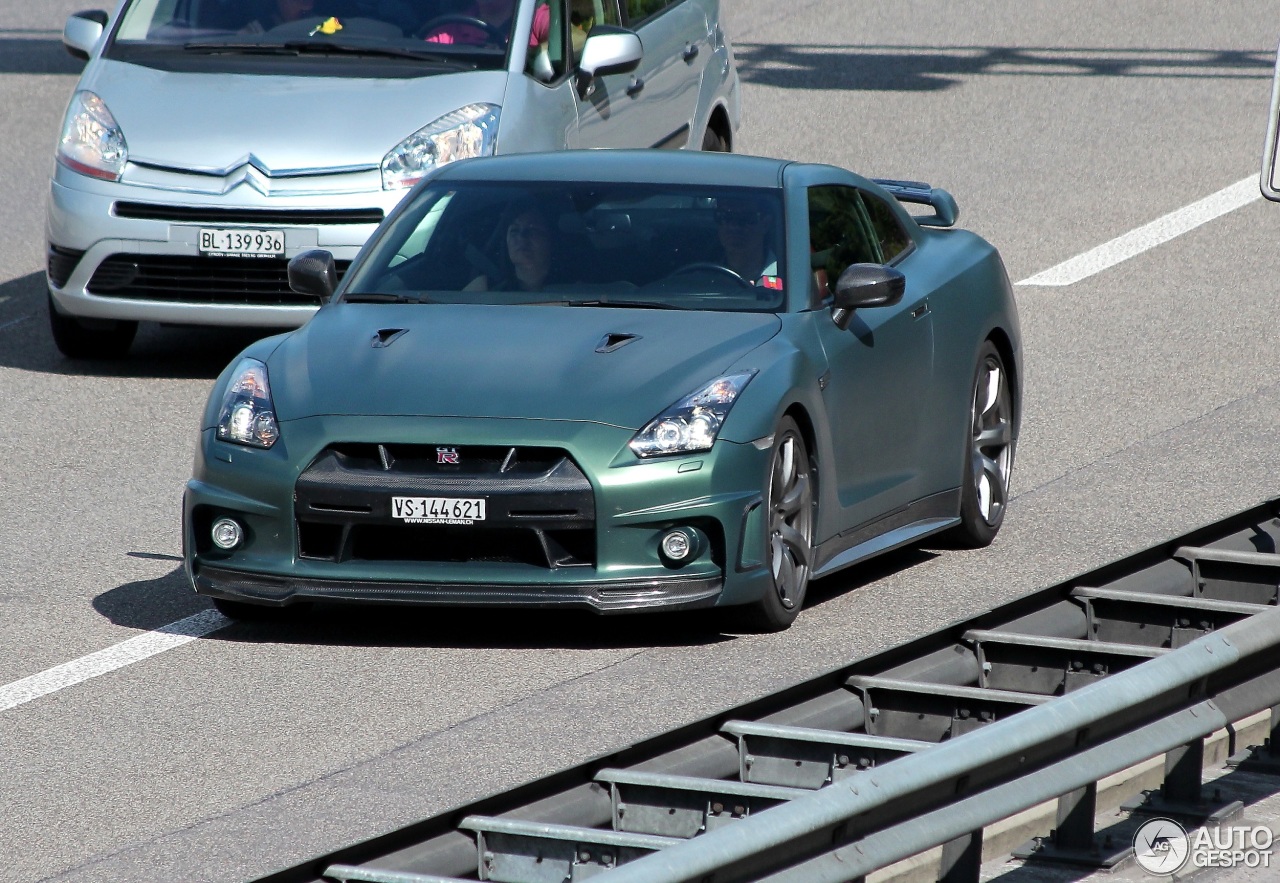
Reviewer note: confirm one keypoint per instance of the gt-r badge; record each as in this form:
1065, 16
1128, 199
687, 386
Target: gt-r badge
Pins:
447, 456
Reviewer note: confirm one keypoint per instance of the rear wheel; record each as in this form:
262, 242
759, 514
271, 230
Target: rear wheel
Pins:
789, 509
90, 338
989, 460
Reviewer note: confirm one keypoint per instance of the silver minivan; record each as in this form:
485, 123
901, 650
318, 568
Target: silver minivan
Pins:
209, 141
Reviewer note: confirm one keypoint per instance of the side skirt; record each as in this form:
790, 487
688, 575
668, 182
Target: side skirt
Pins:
908, 525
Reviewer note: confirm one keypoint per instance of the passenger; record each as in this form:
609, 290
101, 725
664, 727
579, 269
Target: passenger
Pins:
743, 228
529, 251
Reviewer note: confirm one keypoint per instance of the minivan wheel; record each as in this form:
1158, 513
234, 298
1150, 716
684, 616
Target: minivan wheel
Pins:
714, 142
90, 338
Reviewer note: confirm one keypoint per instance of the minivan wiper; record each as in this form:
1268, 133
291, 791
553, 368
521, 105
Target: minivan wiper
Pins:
382, 297
323, 47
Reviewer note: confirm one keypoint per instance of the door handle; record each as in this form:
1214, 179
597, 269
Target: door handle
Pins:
920, 310
635, 87
690, 52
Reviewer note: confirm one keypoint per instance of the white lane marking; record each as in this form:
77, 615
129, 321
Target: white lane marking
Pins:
12, 322
68, 674
1148, 236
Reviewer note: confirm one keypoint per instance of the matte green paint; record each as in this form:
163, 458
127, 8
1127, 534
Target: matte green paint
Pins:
887, 400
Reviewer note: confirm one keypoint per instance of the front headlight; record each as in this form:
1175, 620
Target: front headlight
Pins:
692, 423
468, 131
91, 142
248, 416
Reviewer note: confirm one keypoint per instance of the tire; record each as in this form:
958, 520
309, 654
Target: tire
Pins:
789, 505
244, 611
988, 453
714, 142
91, 338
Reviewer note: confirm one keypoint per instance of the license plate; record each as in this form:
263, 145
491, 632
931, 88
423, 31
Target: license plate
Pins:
242, 243
437, 510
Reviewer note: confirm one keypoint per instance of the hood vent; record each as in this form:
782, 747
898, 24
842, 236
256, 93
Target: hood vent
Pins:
615, 340
387, 336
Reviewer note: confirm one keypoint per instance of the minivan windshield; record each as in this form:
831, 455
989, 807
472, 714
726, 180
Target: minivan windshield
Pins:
659, 246
467, 34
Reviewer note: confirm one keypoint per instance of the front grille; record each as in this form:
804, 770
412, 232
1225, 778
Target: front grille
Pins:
540, 507
258, 217
61, 263
256, 281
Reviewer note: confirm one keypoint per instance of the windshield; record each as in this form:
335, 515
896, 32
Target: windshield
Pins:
582, 244
467, 33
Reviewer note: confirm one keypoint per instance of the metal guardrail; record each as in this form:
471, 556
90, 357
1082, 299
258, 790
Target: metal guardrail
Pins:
919, 747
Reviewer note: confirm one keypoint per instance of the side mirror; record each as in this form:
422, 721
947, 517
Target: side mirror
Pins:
609, 50
314, 272
82, 32
865, 285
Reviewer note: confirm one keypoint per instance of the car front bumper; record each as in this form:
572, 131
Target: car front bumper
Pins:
629, 506
130, 249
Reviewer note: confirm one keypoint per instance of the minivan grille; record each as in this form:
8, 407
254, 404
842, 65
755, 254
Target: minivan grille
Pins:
214, 215
185, 279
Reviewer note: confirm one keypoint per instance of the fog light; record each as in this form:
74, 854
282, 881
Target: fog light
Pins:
681, 544
227, 533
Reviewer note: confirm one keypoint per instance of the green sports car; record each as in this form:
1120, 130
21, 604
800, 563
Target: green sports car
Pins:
620, 381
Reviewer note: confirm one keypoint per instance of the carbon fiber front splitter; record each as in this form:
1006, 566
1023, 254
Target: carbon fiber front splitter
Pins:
615, 597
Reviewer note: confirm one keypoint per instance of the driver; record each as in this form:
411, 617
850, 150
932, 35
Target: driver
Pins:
742, 227
495, 13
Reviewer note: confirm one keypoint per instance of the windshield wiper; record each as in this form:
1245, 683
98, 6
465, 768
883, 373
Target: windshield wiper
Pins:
324, 47
380, 297
635, 304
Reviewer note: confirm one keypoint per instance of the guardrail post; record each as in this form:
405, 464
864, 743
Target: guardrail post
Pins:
1180, 795
1073, 840
1264, 758
962, 859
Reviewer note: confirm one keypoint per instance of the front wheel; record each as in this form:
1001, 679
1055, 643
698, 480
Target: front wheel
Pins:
989, 453
789, 516
90, 338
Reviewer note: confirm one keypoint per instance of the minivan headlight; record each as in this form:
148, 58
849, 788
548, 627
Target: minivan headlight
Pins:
248, 416
91, 141
466, 132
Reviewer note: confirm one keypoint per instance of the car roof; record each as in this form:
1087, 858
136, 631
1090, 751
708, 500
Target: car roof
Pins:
641, 166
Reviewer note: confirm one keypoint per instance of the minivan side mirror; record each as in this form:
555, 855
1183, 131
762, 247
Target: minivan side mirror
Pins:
82, 32
865, 285
314, 272
609, 50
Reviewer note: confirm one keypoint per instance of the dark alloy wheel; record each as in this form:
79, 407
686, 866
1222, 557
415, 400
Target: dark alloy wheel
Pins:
90, 338
989, 459
789, 516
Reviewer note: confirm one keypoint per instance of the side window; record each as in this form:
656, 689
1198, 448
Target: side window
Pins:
585, 15
840, 234
639, 10
548, 54
893, 240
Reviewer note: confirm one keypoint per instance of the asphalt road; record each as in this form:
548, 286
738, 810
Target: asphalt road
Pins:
1152, 406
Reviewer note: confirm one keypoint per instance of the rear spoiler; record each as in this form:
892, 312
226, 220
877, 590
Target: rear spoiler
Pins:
945, 210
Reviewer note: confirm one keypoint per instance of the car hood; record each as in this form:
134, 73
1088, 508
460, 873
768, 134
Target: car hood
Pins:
506, 361
213, 122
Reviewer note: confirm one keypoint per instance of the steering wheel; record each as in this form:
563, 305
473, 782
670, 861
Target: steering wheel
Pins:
495, 34
709, 266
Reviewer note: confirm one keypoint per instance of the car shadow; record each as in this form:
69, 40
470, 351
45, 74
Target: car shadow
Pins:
37, 53
151, 604
159, 351
874, 68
